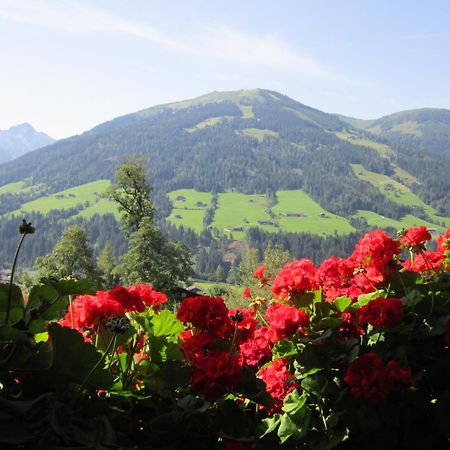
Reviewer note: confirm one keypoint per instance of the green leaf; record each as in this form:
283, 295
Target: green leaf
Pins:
166, 324
329, 322
174, 375
74, 359
270, 424
162, 350
70, 287
309, 373
37, 326
41, 294
10, 334
314, 385
287, 428
342, 303
363, 299
16, 312
293, 402
283, 349
323, 309
412, 298
303, 300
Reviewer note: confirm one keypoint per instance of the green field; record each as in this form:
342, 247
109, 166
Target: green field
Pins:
315, 220
86, 194
247, 111
258, 133
376, 220
208, 123
189, 210
102, 207
15, 188
397, 192
241, 210
381, 149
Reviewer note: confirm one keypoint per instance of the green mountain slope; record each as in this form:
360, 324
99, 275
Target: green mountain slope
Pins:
427, 128
252, 142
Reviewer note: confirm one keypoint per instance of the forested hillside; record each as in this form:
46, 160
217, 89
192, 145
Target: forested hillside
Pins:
388, 172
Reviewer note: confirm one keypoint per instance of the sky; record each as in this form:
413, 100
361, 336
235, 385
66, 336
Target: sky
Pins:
68, 65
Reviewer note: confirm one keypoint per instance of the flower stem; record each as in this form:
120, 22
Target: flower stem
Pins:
11, 279
96, 365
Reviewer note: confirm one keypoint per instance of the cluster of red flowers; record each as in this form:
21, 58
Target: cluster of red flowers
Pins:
382, 312
88, 311
373, 259
286, 320
210, 341
295, 277
279, 381
222, 346
415, 236
371, 380
219, 343
414, 240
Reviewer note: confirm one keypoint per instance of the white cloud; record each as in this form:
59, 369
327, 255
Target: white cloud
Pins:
221, 43
73, 16
267, 51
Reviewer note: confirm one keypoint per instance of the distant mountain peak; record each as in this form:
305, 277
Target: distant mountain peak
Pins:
20, 139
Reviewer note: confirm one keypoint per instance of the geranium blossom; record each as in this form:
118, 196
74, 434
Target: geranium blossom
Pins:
296, 277
215, 374
425, 261
257, 349
279, 381
286, 320
370, 380
382, 312
415, 236
205, 313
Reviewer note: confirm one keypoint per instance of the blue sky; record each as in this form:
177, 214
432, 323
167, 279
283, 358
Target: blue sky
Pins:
67, 65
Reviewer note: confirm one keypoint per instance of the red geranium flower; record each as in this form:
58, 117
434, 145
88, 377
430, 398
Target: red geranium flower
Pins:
371, 381
286, 320
206, 313
415, 236
258, 348
375, 251
296, 277
148, 296
382, 312
245, 322
349, 329
216, 374
425, 261
279, 381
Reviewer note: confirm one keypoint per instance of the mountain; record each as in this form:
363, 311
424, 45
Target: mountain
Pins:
425, 128
251, 141
283, 166
21, 139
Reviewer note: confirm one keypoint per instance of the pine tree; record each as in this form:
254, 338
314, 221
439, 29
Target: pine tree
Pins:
106, 263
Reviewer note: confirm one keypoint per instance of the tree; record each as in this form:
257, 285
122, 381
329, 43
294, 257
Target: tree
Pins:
131, 192
72, 255
106, 263
151, 258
